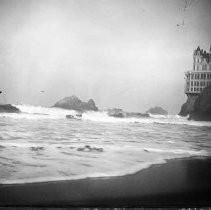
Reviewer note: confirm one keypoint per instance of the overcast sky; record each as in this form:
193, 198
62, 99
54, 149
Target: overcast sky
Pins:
130, 54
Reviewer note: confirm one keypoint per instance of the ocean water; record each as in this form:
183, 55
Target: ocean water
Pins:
40, 144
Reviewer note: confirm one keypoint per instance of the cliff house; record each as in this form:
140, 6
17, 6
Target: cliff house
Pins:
200, 77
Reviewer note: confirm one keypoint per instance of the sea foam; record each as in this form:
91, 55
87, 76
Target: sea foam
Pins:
38, 112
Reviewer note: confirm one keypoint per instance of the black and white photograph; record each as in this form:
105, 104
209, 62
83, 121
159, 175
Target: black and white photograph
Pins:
105, 103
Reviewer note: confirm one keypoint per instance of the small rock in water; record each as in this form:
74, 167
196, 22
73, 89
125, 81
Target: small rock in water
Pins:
37, 148
88, 148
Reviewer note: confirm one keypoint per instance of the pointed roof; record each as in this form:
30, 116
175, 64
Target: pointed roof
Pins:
198, 48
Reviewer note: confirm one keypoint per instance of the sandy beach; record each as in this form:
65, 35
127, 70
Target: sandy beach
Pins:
179, 182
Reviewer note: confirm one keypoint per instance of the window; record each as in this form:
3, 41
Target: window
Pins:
204, 67
192, 76
191, 89
191, 83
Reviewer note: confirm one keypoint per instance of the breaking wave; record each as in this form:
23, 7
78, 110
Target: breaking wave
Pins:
38, 112
41, 144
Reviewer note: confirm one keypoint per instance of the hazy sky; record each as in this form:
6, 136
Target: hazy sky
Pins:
122, 53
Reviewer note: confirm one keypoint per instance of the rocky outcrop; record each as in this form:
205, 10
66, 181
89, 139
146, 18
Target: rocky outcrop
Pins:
75, 103
188, 107
202, 106
198, 107
119, 113
137, 114
157, 110
8, 108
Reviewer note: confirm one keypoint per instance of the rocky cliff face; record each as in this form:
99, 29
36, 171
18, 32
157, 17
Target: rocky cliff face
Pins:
188, 107
198, 107
75, 103
8, 108
157, 110
202, 106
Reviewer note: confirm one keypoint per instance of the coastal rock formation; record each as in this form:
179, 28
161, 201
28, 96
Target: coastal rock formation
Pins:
75, 103
198, 107
202, 106
188, 107
157, 110
8, 108
119, 113
137, 114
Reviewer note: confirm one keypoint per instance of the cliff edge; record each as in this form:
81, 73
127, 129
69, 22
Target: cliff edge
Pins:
75, 103
202, 106
198, 107
188, 106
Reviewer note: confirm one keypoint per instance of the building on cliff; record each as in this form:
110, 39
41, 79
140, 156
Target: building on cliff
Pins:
200, 77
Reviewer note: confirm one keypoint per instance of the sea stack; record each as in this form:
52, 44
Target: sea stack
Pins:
157, 110
74, 103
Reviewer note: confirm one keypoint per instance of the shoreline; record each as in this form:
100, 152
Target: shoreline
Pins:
81, 177
178, 182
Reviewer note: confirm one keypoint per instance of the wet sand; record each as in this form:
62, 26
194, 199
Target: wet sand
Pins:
179, 182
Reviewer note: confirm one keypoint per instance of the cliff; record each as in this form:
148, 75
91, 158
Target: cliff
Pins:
188, 107
8, 108
157, 110
202, 106
75, 103
198, 107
